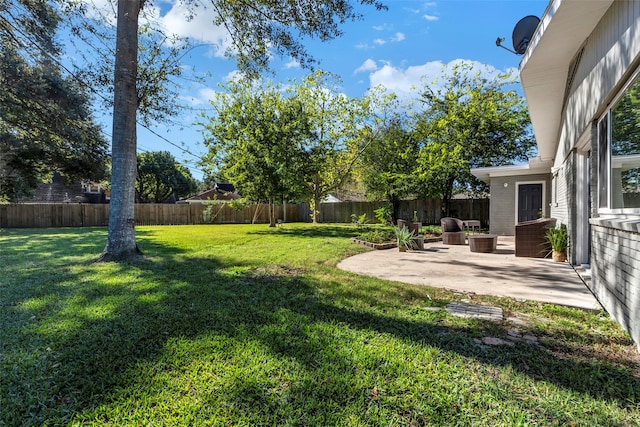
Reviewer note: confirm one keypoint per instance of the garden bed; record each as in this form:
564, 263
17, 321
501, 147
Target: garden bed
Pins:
389, 245
384, 245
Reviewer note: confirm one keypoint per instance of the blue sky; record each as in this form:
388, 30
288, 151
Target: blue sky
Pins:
395, 48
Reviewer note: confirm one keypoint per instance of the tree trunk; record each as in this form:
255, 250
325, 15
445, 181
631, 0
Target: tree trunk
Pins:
316, 209
272, 212
121, 240
395, 208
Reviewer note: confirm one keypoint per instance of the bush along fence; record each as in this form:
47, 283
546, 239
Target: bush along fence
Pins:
428, 211
29, 215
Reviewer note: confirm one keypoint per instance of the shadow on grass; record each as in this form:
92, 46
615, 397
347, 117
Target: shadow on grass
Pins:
83, 342
321, 231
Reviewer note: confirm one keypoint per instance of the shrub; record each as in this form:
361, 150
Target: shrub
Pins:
384, 214
376, 236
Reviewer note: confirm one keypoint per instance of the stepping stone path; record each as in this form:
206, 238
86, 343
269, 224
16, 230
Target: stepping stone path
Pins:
493, 314
475, 311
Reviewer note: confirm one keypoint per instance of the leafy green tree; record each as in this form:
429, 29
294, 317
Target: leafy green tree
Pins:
471, 120
257, 29
254, 142
389, 163
160, 177
341, 129
45, 121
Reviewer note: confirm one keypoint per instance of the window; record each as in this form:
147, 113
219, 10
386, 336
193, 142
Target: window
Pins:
619, 153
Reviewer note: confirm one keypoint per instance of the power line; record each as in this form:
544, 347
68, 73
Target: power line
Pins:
94, 91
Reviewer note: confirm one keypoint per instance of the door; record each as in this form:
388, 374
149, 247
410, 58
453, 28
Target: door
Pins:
529, 202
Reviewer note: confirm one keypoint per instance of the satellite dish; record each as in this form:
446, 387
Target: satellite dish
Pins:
523, 32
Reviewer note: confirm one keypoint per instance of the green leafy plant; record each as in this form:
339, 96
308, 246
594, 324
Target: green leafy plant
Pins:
359, 219
405, 238
558, 238
238, 204
435, 230
376, 236
384, 214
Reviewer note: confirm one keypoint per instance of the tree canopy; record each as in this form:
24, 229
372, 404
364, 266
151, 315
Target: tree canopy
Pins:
296, 143
160, 176
255, 141
341, 127
388, 164
46, 123
470, 120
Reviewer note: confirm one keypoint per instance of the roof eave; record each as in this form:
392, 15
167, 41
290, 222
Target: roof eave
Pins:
563, 29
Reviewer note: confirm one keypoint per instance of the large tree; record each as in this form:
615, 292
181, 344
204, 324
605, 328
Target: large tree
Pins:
160, 177
256, 29
45, 121
471, 119
255, 142
389, 162
341, 127
388, 167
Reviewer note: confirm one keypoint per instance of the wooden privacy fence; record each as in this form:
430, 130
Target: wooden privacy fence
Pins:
90, 215
429, 211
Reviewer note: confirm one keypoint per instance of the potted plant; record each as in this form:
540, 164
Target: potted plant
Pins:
405, 238
558, 238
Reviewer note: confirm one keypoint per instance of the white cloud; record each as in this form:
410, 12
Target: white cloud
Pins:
398, 37
368, 65
203, 97
363, 46
292, 64
200, 28
234, 75
430, 17
402, 81
207, 94
383, 27
379, 42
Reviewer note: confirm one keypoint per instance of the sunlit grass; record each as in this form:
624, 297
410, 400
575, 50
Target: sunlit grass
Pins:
246, 325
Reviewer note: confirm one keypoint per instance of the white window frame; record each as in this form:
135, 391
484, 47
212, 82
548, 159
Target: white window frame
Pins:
607, 115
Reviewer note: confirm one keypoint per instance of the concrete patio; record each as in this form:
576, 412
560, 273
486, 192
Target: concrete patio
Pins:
499, 273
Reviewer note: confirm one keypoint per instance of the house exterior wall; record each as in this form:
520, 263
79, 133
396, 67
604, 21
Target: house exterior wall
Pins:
563, 204
616, 280
502, 210
611, 55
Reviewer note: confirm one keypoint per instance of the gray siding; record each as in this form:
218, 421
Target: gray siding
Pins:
616, 274
502, 209
611, 55
560, 194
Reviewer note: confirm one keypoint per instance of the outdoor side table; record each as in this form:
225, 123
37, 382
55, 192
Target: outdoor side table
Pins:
486, 243
472, 224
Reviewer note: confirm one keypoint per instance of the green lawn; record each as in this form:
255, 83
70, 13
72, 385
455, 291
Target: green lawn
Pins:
246, 325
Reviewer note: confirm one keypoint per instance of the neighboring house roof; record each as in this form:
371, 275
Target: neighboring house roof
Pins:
218, 192
225, 187
544, 69
331, 199
535, 166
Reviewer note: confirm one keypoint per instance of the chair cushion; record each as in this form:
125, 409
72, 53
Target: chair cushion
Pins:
450, 225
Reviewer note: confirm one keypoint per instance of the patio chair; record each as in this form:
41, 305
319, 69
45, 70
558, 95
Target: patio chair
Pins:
453, 231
